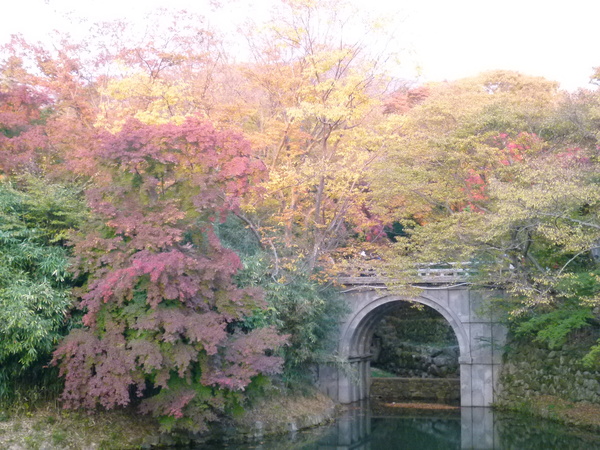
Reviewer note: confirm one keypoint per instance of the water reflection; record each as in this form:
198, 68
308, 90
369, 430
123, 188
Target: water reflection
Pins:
477, 428
364, 427
361, 428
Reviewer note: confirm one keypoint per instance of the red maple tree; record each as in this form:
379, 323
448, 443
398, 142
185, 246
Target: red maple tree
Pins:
160, 302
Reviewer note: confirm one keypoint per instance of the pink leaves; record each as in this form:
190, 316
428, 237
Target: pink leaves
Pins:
572, 157
21, 135
514, 150
160, 293
171, 402
147, 354
207, 329
177, 325
475, 186
176, 407
96, 371
245, 358
194, 147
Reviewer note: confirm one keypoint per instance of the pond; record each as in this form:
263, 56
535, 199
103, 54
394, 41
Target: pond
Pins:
364, 427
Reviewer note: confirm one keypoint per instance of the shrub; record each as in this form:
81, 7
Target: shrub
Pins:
35, 299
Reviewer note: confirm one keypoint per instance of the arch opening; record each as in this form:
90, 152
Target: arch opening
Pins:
357, 339
414, 341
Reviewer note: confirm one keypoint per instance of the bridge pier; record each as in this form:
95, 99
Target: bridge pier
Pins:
480, 339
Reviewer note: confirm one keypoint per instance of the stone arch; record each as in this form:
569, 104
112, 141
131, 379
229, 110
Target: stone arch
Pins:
357, 332
479, 337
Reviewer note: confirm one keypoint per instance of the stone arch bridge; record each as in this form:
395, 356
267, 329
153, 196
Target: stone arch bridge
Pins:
479, 336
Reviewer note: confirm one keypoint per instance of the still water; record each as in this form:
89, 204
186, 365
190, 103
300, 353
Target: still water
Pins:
366, 428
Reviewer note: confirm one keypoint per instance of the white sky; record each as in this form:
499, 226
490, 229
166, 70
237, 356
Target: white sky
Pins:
447, 39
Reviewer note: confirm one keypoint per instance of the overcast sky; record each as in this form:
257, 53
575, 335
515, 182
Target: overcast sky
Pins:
446, 39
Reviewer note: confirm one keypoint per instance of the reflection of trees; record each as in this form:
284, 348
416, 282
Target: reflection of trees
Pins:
526, 432
477, 428
417, 432
357, 429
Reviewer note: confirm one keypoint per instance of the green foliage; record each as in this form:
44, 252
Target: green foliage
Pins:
35, 216
297, 305
553, 328
592, 358
583, 284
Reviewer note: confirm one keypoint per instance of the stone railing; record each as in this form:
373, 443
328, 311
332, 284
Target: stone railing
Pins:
456, 273
426, 274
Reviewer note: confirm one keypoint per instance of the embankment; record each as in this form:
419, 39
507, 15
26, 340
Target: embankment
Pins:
552, 383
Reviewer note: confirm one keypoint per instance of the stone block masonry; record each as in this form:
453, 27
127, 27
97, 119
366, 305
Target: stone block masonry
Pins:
531, 370
443, 390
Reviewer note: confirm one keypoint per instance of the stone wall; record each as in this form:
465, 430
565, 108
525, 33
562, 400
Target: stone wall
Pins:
409, 360
422, 389
531, 370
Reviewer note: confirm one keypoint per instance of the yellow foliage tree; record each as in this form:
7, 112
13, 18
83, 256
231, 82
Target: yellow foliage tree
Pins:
316, 121
498, 172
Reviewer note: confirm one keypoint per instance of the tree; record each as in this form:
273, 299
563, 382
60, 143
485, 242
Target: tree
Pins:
314, 122
168, 70
22, 133
35, 217
62, 75
497, 172
447, 144
161, 306
306, 311
163, 80
310, 103
36, 214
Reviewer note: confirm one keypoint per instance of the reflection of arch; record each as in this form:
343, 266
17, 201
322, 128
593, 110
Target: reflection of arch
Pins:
356, 338
479, 338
